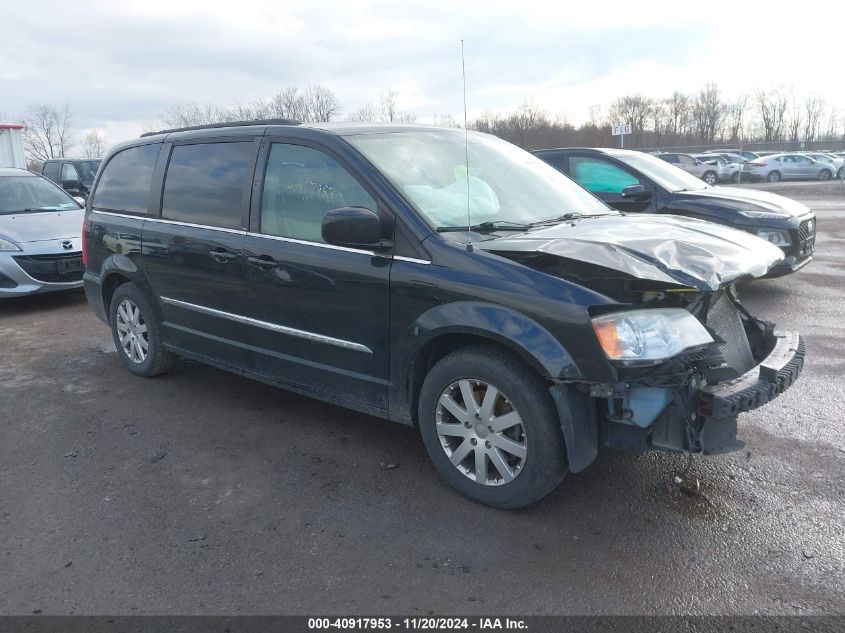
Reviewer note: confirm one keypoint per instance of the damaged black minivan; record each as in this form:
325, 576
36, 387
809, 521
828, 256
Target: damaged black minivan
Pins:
451, 282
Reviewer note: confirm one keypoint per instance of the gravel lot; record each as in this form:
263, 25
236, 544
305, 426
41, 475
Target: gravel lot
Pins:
202, 492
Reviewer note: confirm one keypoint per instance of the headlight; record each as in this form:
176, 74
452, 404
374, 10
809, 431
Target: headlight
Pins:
778, 238
649, 334
761, 215
6, 245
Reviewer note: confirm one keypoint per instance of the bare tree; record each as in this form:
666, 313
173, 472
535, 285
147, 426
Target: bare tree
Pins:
321, 104
679, 112
771, 108
47, 131
735, 113
708, 112
795, 118
660, 122
388, 105
192, 114
833, 125
288, 104
445, 120
367, 112
94, 144
813, 107
386, 109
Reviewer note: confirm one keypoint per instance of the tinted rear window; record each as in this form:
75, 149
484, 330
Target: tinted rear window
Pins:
205, 183
125, 183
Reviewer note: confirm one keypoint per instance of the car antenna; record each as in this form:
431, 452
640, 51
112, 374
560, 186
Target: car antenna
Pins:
466, 147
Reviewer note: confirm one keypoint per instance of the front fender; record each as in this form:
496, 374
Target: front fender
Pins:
526, 337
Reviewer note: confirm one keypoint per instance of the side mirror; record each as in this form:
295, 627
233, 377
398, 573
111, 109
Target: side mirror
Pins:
636, 192
356, 227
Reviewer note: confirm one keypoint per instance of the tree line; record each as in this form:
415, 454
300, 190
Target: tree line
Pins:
701, 118
776, 115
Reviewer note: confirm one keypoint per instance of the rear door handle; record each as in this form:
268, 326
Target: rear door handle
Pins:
222, 257
265, 261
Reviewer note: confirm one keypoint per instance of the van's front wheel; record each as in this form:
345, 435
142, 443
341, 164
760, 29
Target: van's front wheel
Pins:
491, 428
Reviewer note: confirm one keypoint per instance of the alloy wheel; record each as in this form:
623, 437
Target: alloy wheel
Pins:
481, 432
132, 331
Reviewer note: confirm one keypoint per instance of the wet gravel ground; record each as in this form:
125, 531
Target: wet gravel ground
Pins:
202, 492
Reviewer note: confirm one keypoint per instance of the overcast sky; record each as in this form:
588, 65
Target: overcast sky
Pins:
121, 63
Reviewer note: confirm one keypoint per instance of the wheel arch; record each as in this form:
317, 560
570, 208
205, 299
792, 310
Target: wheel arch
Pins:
118, 270
447, 328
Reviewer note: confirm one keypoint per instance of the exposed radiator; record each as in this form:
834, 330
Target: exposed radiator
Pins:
725, 320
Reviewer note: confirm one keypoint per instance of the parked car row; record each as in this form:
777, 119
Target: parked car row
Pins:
715, 166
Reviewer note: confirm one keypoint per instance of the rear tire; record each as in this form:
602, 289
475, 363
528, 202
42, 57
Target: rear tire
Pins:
509, 436
137, 333
710, 177
825, 174
839, 173
774, 176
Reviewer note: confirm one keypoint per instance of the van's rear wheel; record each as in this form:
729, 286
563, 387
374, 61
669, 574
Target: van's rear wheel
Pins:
137, 333
491, 428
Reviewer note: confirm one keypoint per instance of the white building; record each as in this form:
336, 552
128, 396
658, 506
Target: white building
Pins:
11, 146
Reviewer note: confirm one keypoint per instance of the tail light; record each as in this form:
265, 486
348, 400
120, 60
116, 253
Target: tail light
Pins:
84, 246
756, 164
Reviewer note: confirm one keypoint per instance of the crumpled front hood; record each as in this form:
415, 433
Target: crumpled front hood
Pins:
752, 199
42, 225
664, 248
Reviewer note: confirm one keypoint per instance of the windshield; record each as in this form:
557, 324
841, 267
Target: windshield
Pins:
24, 194
664, 174
88, 169
505, 184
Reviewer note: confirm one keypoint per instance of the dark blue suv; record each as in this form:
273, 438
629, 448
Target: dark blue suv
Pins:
453, 283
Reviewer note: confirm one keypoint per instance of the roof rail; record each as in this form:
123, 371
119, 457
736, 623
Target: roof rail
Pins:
225, 124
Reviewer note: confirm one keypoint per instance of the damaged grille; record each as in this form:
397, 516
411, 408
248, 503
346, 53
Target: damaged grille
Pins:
724, 319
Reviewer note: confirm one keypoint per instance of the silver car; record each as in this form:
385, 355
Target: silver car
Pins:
787, 167
708, 173
836, 161
40, 235
726, 170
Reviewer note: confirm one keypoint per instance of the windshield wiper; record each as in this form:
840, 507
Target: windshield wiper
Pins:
499, 225
572, 215
32, 209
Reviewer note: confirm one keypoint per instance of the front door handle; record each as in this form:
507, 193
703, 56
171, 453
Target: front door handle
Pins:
263, 262
222, 257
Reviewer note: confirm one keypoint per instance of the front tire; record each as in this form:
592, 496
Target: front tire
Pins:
710, 177
839, 173
137, 333
774, 176
491, 428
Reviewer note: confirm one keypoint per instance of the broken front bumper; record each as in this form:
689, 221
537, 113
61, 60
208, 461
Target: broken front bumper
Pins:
720, 404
